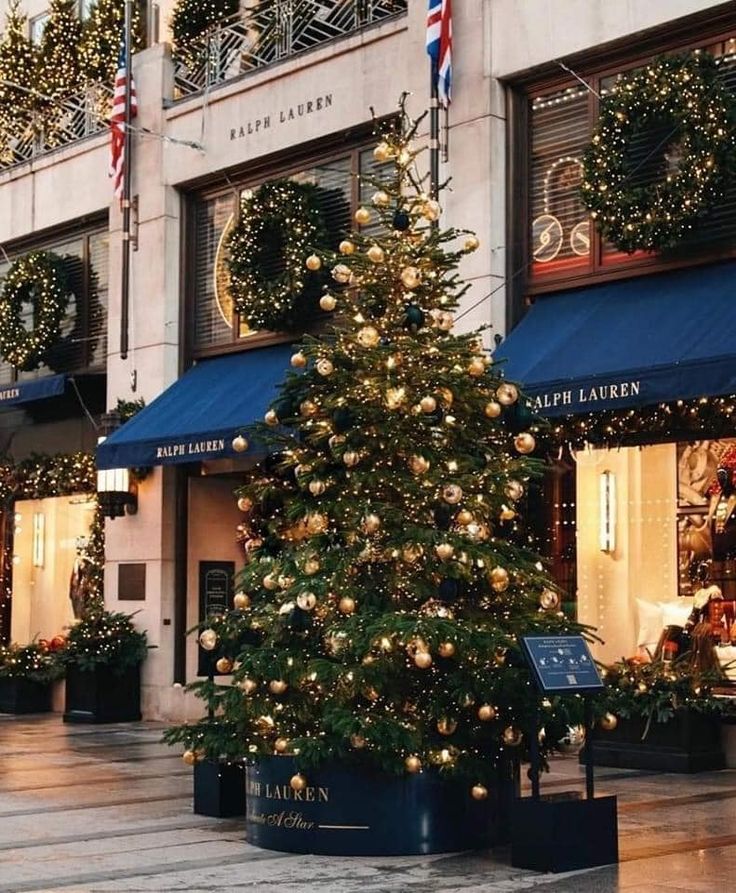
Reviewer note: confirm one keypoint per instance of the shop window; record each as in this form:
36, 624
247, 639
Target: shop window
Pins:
561, 241
37, 26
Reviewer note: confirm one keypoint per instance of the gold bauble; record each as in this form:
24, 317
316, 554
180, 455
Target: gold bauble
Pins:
476, 367
514, 490
248, 686
208, 639
447, 396
224, 665
428, 404
446, 649
472, 243
346, 247
357, 741
298, 360
444, 551
410, 277
362, 216
245, 504
368, 336
265, 725
281, 745
423, 659
308, 408
341, 273
486, 712
412, 553
371, 523
350, 458
511, 737
418, 464
324, 367
328, 302
270, 582
507, 514
608, 722
413, 764
316, 523
241, 600
493, 409
452, 494
395, 397
376, 254
277, 686
189, 757
381, 199
525, 443
297, 782
446, 321
307, 601
479, 792
313, 262
507, 393
382, 152
464, 517
446, 725
549, 600
431, 210
346, 605
240, 444
270, 418
499, 578
311, 566
371, 694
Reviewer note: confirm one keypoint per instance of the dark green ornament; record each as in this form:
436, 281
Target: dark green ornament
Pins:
414, 318
401, 221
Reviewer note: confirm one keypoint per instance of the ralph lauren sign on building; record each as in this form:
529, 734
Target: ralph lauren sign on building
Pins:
278, 117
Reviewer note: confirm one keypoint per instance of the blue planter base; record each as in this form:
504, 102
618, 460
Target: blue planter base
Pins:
24, 696
219, 789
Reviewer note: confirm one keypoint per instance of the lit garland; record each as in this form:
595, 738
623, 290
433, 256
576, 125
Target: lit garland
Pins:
35, 662
685, 94
38, 278
278, 224
101, 33
190, 19
104, 638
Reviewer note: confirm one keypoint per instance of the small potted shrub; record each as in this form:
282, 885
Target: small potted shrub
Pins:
26, 674
102, 658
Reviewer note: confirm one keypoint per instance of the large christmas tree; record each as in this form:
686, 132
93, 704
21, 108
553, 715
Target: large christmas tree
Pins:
17, 68
387, 577
58, 71
102, 36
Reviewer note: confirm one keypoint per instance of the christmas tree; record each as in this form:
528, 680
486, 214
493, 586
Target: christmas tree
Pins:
102, 36
387, 574
190, 19
17, 68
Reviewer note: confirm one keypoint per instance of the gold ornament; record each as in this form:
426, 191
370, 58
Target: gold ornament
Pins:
525, 443
362, 216
395, 397
297, 782
270, 582
346, 247
350, 458
410, 277
307, 601
423, 659
464, 517
358, 742
281, 745
308, 408
189, 757
270, 418
447, 396
452, 494
376, 254
444, 551
240, 444
446, 321
549, 600
381, 199
446, 726
472, 243
368, 336
208, 639
346, 605
413, 764
486, 712
317, 487
479, 792
371, 694
313, 262
476, 367
418, 464
324, 367
446, 649
507, 393
499, 578
493, 409
311, 566
245, 504
224, 665
265, 725
382, 152
298, 360
248, 686
431, 210
316, 523
412, 553
608, 722
277, 686
507, 514
341, 273
511, 737
428, 404
241, 601
514, 490
371, 523
328, 302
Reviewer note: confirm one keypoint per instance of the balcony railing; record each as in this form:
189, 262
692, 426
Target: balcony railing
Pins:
58, 124
271, 31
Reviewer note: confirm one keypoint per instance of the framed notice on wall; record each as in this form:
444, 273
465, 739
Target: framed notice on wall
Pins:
216, 582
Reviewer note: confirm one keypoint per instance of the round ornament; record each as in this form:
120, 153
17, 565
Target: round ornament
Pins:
208, 639
687, 98
414, 317
346, 605
277, 686
376, 254
423, 659
311, 566
189, 757
444, 551
371, 523
446, 649
382, 152
281, 745
452, 494
401, 221
572, 741
346, 247
245, 504
476, 367
608, 722
350, 458
240, 444
308, 408
472, 243
341, 274
486, 713
381, 199
271, 419
514, 490
248, 686
410, 277
395, 397
316, 523
431, 210
358, 742
446, 725
479, 792
413, 764
317, 488
428, 404
241, 601
362, 216
224, 665
324, 367
412, 553
493, 409
307, 601
499, 578
327, 303
313, 262
298, 360
464, 517
297, 782
549, 600
38, 279
418, 464
368, 336
507, 393
525, 443
270, 582
512, 736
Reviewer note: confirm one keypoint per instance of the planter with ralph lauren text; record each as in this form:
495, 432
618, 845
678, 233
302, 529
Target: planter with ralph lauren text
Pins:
348, 811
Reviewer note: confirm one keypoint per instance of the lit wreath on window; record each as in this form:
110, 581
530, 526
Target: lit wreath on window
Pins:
280, 224
686, 95
39, 279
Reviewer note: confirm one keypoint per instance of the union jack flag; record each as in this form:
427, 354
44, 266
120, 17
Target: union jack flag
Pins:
439, 46
117, 123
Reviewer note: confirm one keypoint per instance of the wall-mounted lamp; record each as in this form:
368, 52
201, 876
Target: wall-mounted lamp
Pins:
116, 493
607, 517
39, 538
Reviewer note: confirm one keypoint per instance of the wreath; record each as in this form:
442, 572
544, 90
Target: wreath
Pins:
280, 223
682, 104
38, 279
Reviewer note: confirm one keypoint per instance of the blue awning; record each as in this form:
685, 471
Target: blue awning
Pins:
647, 340
34, 389
198, 416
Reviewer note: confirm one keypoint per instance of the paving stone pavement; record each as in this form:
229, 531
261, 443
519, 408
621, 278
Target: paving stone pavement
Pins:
108, 808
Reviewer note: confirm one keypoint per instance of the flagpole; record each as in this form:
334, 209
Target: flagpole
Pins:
125, 200
434, 130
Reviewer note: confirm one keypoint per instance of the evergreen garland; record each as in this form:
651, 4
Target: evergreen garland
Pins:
683, 95
101, 35
191, 18
38, 278
279, 223
34, 662
104, 638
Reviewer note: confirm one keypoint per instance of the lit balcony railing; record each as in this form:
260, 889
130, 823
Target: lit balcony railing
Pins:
53, 125
271, 31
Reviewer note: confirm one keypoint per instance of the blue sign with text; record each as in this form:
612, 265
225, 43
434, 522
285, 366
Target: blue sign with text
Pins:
562, 664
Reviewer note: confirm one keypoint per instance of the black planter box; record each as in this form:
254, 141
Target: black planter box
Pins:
24, 696
219, 789
689, 742
100, 695
346, 811
564, 833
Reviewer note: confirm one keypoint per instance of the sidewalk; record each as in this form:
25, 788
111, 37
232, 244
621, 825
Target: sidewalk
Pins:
108, 808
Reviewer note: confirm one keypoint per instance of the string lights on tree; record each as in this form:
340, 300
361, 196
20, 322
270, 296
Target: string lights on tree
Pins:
17, 70
102, 31
190, 19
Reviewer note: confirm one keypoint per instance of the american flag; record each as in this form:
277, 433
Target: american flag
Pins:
439, 46
117, 123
